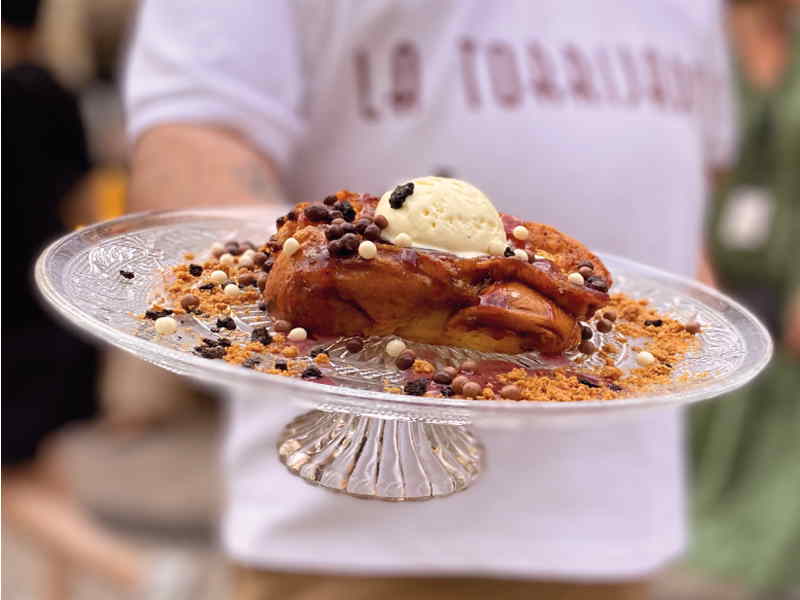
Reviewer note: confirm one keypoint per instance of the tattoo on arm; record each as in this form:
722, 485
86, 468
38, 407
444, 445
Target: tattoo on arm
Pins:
258, 185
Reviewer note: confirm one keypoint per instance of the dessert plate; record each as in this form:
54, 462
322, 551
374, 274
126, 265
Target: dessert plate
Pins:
359, 439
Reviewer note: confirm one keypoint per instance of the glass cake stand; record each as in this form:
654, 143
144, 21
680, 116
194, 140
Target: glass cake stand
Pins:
358, 439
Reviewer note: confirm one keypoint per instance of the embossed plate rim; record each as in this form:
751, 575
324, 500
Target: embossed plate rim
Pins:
758, 344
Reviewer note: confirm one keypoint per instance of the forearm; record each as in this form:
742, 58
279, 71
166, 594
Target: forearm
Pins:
181, 166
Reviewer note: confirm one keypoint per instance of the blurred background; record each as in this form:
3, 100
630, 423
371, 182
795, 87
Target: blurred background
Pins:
130, 471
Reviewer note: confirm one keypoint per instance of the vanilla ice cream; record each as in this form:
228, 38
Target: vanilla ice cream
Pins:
442, 214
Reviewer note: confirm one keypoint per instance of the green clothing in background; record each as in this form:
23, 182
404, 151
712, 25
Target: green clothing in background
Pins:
746, 446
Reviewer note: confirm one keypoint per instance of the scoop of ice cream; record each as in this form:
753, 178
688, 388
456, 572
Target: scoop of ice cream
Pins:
442, 214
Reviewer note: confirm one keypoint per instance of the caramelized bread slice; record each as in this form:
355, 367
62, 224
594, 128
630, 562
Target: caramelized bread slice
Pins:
488, 303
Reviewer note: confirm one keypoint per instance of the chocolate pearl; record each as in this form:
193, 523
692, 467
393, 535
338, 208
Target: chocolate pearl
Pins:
210, 352
347, 210
443, 377
248, 245
330, 200
246, 279
361, 225
334, 232
587, 347
604, 326
508, 252
260, 334
233, 247
452, 371
586, 332
417, 387
471, 389
336, 248
282, 326
267, 266
262, 306
470, 366
317, 213
281, 365
348, 227
653, 323
217, 252
280, 222
190, 302
354, 345
381, 221
511, 392
693, 327
405, 361
459, 383
372, 233
226, 322
195, 270
586, 272
337, 215
311, 372
350, 242
597, 283
586, 263
291, 215
338, 221
610, 315
259, 258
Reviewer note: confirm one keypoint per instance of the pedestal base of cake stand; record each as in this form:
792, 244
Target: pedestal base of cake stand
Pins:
381, 459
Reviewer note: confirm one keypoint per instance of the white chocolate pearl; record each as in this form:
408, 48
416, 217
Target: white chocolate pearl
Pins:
249, 252
217, 246
219, 277
232, 290
576, 278
520, 232
290, 246
245, 261
166, 326
540, 257
298, 334
367, 250
645, 359
497, 247
395, 348
403, 240
521, 254
227, 259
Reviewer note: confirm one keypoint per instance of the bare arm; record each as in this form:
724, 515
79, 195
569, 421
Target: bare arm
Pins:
184, 165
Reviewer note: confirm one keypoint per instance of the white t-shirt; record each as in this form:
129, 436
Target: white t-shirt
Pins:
597, 118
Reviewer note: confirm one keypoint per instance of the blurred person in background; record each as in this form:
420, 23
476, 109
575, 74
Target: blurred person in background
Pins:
81, 41
50, 375
747, 447
603, 123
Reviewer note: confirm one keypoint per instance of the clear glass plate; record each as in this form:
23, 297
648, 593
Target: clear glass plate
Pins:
79, 276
